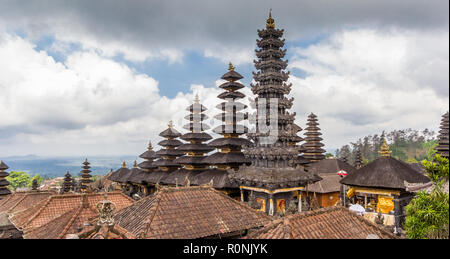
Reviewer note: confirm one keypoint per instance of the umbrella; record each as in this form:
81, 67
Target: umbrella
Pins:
358, 209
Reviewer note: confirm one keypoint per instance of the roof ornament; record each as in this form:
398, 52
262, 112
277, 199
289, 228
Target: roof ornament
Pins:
135, 164
187, 183
124, 165
150, 147
270, 23
196, 99
170, 124
230, 67
384, 150
105, 212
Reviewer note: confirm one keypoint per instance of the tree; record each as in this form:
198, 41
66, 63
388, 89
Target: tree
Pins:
427, 215
18, 179
38, 178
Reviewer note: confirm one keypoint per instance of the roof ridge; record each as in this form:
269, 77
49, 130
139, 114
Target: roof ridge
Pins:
149, 220
17, 203
75, 215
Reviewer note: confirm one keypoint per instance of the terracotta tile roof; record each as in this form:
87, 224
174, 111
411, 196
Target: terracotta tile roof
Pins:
188, 212
19, 201
50, 218
328, 223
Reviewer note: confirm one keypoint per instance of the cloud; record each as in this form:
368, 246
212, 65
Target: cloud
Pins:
159, 29
363, 81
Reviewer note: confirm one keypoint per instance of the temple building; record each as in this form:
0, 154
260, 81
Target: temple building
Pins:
272, 176
188, 212
168, 154
85, 176
313, 146
192, 162
383, 184
4, 191
67, 184
358, 159
120, 176
327, 192
149, 156
442, 148
229, 155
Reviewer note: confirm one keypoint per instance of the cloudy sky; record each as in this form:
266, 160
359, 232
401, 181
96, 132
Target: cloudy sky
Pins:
104, 77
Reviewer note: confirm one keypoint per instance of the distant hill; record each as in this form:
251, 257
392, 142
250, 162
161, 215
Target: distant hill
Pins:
51, 167
408, 145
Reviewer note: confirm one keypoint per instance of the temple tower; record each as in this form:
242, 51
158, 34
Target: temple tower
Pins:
229, 155
148, 156
67, 184
169, 153
313, 145
85, 176
442, 148
358, 159
195, 149
272, 176
3, 182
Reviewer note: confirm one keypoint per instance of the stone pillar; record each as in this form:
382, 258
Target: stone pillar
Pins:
365, 200
242, 194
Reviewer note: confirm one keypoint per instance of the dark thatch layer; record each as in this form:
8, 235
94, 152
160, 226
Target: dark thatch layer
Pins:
219, 177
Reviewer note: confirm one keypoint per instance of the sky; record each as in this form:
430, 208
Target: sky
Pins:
104, 77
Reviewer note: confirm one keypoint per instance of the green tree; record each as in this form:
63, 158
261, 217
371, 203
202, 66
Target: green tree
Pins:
38, 178
427, 215
437, 168
18, 179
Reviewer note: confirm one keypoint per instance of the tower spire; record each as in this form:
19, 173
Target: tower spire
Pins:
230, 67
384, 150
270, 23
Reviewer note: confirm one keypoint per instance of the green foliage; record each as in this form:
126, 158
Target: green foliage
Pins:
95, 177
328, 155
407, 145
39, 179
18, 179
427, 215
437, 168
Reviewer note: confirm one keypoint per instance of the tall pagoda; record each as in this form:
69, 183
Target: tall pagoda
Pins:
193, 161
168, 153
85, 176
148, 156
272, 176
67, 184
358, 159
3, 182
314, 151
229, 155
442, 148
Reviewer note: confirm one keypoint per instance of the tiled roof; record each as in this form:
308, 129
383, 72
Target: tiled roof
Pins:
329, 183
188, 212
19, 201
328, 223
62, 214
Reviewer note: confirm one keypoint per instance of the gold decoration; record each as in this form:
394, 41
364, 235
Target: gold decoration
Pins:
135, 164
124, 165
384, 150
230, 67
270, 23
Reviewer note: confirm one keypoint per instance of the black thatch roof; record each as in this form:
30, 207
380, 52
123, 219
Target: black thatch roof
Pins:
228, 142
196, 136
156, 176
385, 172
230, 86
169, 152
170, 133
179, 176
118, 174
219, 177
136, 176
170, 143
232, 76
238, 106
226, 158
330, 166
231, 95
273, 178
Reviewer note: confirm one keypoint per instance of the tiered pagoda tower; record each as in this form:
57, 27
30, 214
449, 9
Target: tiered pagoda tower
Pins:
148, 156
272, 175
67, 184
230, 144
193, 161
85, 176
313, 145
3, 182
169, 153
358, 159
443, 147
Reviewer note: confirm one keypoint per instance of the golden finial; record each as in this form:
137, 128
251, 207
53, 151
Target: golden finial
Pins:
135, 164
270, 23
230, 67
150, 147
170, 124
124, 165
384, 150
196, 99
